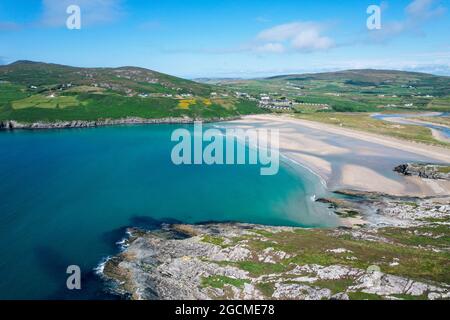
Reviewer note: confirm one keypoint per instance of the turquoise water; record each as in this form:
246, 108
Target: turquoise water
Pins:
66, 197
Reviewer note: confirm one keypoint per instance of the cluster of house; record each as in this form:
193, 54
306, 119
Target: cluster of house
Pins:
319, 106
59, 87
215, 95
406, 105
51, 91
266, 102
243, 95
136, 75
165, 95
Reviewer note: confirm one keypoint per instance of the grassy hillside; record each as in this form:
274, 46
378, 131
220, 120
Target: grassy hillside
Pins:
32, 91
355, 90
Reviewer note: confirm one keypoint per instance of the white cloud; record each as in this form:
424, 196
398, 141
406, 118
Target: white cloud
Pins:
290, 37
92, 11
424, 9
270, 48
417, 13
310, 40
298, 36
282, 32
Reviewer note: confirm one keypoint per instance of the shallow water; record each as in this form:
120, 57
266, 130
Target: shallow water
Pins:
353, 151
66, 197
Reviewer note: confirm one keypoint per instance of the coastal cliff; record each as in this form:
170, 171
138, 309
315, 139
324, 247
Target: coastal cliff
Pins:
12, 125
400, 250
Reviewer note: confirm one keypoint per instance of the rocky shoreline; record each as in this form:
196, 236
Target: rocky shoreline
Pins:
425, 170
15, 125
400, 251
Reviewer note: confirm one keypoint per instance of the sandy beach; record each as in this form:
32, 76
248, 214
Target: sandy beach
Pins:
346, 158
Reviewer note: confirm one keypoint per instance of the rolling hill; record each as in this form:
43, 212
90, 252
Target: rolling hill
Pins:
35, 91
355, 90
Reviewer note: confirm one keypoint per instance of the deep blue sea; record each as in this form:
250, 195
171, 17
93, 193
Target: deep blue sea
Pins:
66, 197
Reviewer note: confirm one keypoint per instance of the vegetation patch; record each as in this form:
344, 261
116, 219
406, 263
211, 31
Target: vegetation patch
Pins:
266, 288
310, 247
263, 233
336, 286
186, 103
259, 268
46, 102
219, 282
436, 236
364, 122
363, 296
444, 169
218, 241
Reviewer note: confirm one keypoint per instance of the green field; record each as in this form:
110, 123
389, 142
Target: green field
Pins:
32, 92
355, 90
445, 121
94, 106
40, 101
441, 104
364, 122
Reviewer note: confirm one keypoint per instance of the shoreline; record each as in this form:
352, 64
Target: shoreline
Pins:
74, 124
347, 159
258, 262
300, 147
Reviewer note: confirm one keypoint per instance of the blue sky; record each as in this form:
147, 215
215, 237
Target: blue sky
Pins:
229, 38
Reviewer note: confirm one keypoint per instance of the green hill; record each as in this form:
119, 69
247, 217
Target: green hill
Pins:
34, 91
356, 90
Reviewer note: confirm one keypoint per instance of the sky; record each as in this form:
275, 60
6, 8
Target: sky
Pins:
229, 38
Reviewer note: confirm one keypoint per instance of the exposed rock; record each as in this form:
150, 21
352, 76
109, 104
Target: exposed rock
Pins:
300, 292
426, 171
11, 124
385, 284
244, 261
339, 250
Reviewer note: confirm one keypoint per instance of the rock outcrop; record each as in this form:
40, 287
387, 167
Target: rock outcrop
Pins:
387, 258
426, 171
11, 124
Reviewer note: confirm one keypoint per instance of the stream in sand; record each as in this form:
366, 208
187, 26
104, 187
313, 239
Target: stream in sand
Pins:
406, 119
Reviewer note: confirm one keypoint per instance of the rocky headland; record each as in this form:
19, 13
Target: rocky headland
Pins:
387, 248
14, 125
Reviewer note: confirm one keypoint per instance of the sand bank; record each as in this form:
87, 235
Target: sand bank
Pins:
346, 158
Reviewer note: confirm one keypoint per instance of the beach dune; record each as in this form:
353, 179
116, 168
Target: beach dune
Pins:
345, 158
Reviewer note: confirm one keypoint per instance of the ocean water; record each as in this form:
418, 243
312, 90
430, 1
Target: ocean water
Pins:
66, 197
